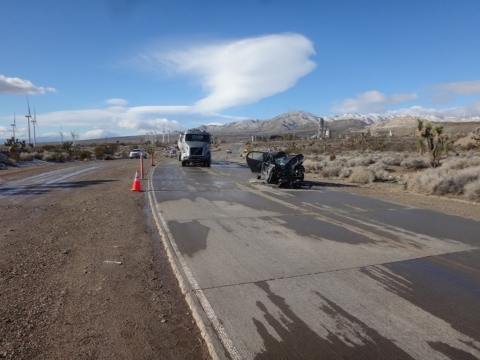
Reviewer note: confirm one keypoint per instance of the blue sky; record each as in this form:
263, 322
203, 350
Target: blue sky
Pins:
123, 67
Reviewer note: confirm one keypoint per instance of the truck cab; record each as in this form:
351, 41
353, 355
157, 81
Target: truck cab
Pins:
194, 147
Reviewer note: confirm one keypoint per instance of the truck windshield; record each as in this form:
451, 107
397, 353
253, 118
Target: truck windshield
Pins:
197, 137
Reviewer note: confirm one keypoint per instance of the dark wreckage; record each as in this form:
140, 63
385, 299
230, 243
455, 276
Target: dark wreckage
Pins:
278, 167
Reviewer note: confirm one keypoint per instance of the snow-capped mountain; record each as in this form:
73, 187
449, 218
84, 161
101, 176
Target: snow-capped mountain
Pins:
305, 121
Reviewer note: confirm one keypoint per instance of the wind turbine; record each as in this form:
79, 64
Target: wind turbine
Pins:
28, 120
34, 121
163, 135
77, 136
61, 135
14, 125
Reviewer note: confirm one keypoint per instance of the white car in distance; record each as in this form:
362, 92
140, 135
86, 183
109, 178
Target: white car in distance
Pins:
135, 153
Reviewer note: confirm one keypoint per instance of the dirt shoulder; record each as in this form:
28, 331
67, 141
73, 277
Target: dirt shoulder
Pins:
83, 273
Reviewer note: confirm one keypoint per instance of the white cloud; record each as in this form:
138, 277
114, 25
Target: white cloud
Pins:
19, 86
98, 134
372, 102
116, 102
461, 87
241, 72
470, 110
3, 130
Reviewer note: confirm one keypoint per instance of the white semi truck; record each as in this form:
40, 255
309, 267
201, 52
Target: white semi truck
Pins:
194, 147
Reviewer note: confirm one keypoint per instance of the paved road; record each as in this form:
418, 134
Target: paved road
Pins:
56, 178
320, 273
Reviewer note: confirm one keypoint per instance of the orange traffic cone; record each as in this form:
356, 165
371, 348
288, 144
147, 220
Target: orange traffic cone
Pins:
137, 186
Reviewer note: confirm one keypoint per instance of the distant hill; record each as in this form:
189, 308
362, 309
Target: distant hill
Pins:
305, 123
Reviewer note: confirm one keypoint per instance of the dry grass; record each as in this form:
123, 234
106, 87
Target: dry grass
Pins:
472, 191
54, 156
361, 175
446, 181
415, 163
457, 175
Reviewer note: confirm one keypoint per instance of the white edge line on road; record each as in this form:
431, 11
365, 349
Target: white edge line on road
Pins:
181, 270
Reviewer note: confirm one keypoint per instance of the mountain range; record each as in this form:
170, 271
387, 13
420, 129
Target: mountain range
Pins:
302, 121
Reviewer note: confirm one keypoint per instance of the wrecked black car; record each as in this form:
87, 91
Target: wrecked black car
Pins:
278, 167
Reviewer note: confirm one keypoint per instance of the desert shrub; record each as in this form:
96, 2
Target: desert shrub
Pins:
458, 181
55, 156
102, 151
361, 161
332, 168
361, 175
310, 165
415, 163
38, 155
441, 182
25, 156
392, 159
345, 172
472, 190
472, 153
460, 163
469, 146
82, 154
48, 147
293, 150
380, 172
425, 181
332, 157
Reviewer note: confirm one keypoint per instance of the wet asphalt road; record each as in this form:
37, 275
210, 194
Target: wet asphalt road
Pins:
321, 273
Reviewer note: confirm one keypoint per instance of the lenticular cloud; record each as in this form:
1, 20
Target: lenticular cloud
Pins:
245, 71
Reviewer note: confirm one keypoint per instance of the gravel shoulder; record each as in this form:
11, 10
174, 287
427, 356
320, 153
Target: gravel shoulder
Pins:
83, 273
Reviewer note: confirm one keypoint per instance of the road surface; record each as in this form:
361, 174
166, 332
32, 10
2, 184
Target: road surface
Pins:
318, 273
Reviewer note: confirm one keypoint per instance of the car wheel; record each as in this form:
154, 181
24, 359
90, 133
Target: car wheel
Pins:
184, 163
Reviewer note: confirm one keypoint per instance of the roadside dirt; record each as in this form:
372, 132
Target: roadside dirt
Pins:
83, 273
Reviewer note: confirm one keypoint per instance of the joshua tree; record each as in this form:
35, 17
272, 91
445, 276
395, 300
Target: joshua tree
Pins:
432, 138
67, 145
15, 144
476, 134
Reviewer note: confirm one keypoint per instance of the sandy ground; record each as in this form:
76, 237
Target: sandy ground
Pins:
83, 273
64, 293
